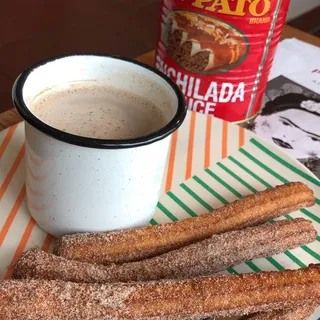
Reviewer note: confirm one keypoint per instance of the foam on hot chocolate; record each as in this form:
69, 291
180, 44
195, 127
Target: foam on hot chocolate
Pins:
90, 109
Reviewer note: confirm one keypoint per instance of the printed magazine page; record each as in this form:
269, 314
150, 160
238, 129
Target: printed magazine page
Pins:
290, 114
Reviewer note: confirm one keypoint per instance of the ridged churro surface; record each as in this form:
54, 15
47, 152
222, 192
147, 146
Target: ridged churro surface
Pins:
137, 244
300, 311
198, 297
203, 258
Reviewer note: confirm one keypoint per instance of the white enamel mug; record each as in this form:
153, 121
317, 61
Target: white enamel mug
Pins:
77, 184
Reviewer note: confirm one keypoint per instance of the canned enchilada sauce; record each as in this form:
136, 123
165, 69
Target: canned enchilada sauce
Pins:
220, 52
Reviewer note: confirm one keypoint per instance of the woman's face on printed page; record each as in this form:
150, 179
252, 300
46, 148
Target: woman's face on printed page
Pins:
295, 130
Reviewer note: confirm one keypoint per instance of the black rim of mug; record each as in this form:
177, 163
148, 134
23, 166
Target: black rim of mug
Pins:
28, 116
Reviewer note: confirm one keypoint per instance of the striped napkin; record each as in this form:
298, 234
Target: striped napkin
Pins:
210, 164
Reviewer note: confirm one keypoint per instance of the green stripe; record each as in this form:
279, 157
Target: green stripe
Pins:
182, 204
310, 215
295, 259
167, 212
153, 222
304, 211
311, 252
196, 197
253, 159
276, 264
263, 166
307, 213
254, 267
285, 163
214, 193
226, 185
247, 185
232, 271
266, 184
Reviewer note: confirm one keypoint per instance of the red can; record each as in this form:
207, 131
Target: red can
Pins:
220, 52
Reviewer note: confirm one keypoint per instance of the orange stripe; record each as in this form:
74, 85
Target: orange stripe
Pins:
224, 151
32, 158
32, 205
21, 246
12, 171
172, 157
241, 137
34, 192
208, 143
47, 242
12, 215
190, 145
32, 175
7, 139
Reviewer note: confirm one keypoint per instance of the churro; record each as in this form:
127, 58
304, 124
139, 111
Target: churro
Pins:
202, 258
164, 299
141, 243
300, 311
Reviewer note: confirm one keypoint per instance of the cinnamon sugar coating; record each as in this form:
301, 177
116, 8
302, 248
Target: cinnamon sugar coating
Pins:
141, 243
202, 258
300, 311
220, 296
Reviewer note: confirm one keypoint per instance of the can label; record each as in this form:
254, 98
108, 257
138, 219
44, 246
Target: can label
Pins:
220, 52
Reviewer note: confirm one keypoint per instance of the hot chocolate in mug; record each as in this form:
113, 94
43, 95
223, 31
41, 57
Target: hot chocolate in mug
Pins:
97, 138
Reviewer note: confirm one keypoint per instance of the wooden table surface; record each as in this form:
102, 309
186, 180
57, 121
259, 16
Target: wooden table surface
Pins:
11, 116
